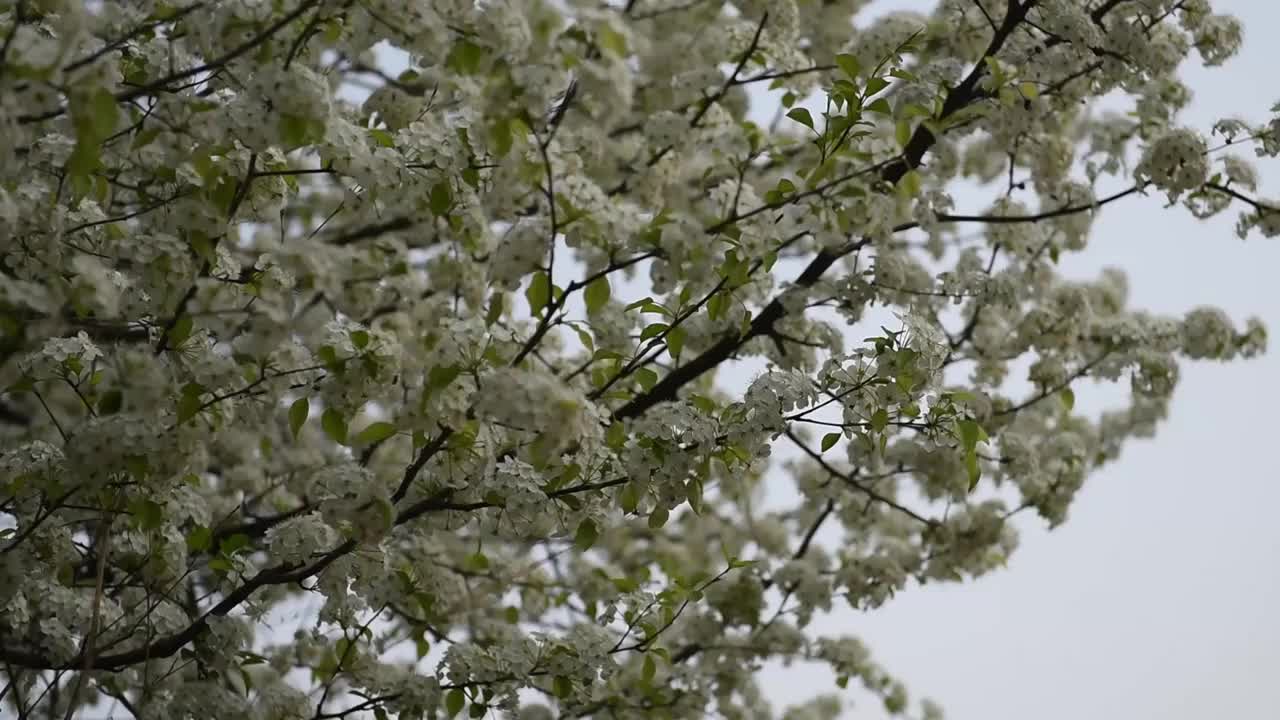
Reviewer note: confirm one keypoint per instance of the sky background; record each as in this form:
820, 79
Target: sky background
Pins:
1159, 596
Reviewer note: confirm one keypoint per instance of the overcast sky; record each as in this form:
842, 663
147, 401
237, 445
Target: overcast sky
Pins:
1159, 597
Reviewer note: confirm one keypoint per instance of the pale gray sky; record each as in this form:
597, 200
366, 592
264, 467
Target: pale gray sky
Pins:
1159, 597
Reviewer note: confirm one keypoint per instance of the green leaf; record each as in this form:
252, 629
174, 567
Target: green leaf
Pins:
199, 539
646, 377
144, 138
659, 517
454, 701
616, 436
650, 668
298, 413
971, 433
829, 440
693, 493
902, 133
110, 402
801, 116
180, 331
465, 57
148, 514
849, 65
234, 544
375, 433
496, 302
188, 405
909, 185
1029, 90
629, 498
585, 338
975, 472
675, 342
478, 710
881, 106
586, 536
440, 376
441, 199
476, 562
561, 686
334, 425
299, 130
879, 420
597, 294
652, 330
1068, 398
103, 113
538, 293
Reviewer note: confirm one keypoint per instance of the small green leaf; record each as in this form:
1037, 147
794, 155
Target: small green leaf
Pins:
110, 402
659, 517
597, 294
1029, 90
902, 133
646, 377
881, 106
675, 342
909, 185
561, 686
454, 701
478, 710
829, 440
476, 562
465, 58
234, 544
375, 433
971, 433
188, 405
298, 412
180, 331
801, 116
629, 498
652, 330
586, 536
495, 309
975, 472
293, 130
616, 436
440, 376
148, 514
1068, 398
650, 668
849, 65
538, 293
334, 425
199, 539
693, 494
441, 199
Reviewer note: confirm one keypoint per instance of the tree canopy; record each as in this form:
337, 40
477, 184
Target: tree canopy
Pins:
559, 358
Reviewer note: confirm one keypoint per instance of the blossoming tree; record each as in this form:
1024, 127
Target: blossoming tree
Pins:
471, 372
